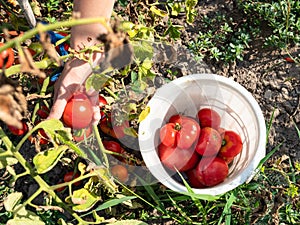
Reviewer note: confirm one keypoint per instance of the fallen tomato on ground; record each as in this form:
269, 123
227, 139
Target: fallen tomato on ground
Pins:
71, 176
78, 112
43, 112
181, 132
120, 173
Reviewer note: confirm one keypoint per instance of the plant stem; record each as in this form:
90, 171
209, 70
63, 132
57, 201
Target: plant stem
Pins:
101, 146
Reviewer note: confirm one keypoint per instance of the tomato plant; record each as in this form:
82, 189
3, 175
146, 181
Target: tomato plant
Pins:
211, 171
209, 118
102, 104
177, 158
120, 172
116, 131
78, 112
209, 142
181, 131
7, 57
16, 131
232, 144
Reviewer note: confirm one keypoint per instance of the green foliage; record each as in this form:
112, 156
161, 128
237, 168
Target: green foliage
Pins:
282, 18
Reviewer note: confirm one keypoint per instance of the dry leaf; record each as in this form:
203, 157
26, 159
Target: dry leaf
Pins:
118, 51
49, 48
27, 64
13, 105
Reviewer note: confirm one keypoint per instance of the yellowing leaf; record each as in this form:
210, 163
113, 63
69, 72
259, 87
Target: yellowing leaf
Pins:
158, 11
144, 114
85, 199
12, 200
46, 160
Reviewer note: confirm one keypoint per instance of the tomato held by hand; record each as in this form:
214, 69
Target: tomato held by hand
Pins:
232, 144
176, 158
7, 57
78, 112
181, 131
211, 171
209, 118
209, 142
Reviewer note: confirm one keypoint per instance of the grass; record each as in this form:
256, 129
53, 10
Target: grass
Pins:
271, 197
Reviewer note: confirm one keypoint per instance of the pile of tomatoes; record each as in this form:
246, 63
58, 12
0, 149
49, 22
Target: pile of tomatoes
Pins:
199, 147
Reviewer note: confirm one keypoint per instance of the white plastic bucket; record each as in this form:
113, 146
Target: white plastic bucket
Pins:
239, 112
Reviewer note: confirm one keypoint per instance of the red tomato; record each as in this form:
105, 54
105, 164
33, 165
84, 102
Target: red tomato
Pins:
116, 131
209, 118
43, 112
7, 57
65, 44
102, 101
174, 157
193, 180
79, 135
113, 146
43, 137
120, 172
209, 142
211, 171
71, 176
78, 112
16, 131
232, 145
181, 131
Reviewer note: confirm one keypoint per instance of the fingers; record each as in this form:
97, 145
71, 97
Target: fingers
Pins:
94, 98
58, 108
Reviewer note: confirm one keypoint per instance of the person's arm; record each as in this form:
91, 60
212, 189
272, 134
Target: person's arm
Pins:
77, 71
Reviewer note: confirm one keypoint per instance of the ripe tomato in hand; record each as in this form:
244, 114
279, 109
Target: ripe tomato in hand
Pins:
176, 158
16, 131
7, 57
78, 112
209, 142
232, 145
209, 118
181, 131
211, 171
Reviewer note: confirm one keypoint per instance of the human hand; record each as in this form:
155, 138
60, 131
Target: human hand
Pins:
72, 80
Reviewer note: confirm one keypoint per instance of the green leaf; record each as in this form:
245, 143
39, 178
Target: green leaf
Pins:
114, 202
25, 217
174, 31
142, 50
129, 222
46, 160
84, 200
97, 81
12, 200
7, 160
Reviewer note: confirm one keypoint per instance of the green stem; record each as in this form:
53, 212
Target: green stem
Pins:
101, 146
111, 93
8, 144
44, 28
